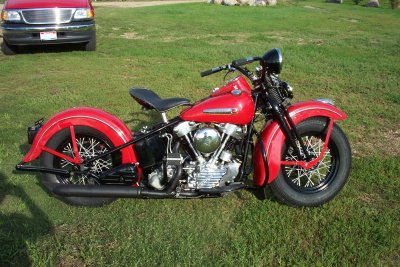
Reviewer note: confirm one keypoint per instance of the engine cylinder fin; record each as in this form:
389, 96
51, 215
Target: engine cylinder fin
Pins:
209, 177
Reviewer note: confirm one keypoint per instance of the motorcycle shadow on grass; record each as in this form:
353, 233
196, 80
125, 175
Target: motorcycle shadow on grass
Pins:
24, 148
17, 229
262, 194
140, 119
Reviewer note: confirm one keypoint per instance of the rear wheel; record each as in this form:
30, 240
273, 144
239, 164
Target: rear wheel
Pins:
90, 143
297, 186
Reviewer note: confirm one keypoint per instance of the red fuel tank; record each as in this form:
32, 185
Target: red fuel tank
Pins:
238, 83
235, 107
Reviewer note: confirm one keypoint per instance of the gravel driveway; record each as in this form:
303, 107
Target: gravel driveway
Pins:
142, 4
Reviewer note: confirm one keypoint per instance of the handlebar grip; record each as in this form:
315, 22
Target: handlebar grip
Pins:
245, 60
211, 71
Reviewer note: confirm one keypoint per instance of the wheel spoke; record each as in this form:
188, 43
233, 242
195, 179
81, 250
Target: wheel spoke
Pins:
88, 147
319, 176
311, 178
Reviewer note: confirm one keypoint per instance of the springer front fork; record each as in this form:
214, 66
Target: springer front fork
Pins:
305, 160
289, 129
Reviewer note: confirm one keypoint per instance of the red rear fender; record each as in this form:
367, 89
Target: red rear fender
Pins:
273, 137
109, 125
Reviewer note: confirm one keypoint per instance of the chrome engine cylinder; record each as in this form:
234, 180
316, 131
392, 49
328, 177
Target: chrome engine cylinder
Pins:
231, 130
206, 140
184, 128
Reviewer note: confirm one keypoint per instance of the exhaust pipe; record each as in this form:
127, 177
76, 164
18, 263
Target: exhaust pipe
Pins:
119, 191
72, 190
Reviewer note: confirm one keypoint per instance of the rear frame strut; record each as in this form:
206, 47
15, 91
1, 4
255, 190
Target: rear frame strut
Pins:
22, 167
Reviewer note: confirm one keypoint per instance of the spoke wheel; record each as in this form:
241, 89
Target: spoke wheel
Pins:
314, 179
90, 143
88, 146
297, 186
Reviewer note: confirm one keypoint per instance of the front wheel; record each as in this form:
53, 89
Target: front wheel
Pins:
8, 49
299, 187
91, 45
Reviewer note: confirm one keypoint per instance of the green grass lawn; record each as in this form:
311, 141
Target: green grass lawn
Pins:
345, 52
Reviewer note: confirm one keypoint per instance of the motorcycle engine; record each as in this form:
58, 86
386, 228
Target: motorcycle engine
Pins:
216, 164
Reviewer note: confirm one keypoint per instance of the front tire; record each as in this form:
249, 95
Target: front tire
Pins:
299, 187
91, 45
90, 143
7, 49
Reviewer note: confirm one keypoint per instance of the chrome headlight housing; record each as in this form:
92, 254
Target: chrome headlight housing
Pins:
11, 15
83, 13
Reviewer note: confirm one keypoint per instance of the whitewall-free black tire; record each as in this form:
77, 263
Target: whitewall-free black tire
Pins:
86, 138
298, 187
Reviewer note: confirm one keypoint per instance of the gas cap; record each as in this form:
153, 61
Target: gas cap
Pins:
236, 92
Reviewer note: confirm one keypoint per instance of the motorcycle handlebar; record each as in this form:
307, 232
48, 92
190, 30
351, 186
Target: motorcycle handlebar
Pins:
244, 61
234, 65
213, 70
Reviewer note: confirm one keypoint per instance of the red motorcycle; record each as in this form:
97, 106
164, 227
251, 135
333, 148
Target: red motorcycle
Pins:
89, 157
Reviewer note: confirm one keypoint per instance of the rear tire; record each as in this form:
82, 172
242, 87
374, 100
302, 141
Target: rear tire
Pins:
61, 142
8, 49
298, 187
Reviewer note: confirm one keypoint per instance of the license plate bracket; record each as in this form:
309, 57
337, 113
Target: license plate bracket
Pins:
48, 36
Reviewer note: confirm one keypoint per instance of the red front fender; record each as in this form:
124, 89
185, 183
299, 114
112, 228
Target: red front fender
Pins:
109, 125
273, 137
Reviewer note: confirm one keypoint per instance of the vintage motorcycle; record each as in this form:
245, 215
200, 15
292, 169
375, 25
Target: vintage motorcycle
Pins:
89, 157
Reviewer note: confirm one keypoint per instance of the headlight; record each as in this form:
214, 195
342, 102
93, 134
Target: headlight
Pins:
273, 60
9, 15
83, 13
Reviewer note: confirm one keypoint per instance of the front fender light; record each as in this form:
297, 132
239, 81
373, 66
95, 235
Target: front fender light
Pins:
10, 15
326, 101
83, 13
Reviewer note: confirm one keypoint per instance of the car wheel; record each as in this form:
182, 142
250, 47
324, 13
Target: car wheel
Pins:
8, 49
91, 45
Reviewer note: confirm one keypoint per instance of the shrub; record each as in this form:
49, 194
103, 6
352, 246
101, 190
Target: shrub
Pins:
394, 3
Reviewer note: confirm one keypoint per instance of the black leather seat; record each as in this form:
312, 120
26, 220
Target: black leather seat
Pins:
150, 100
